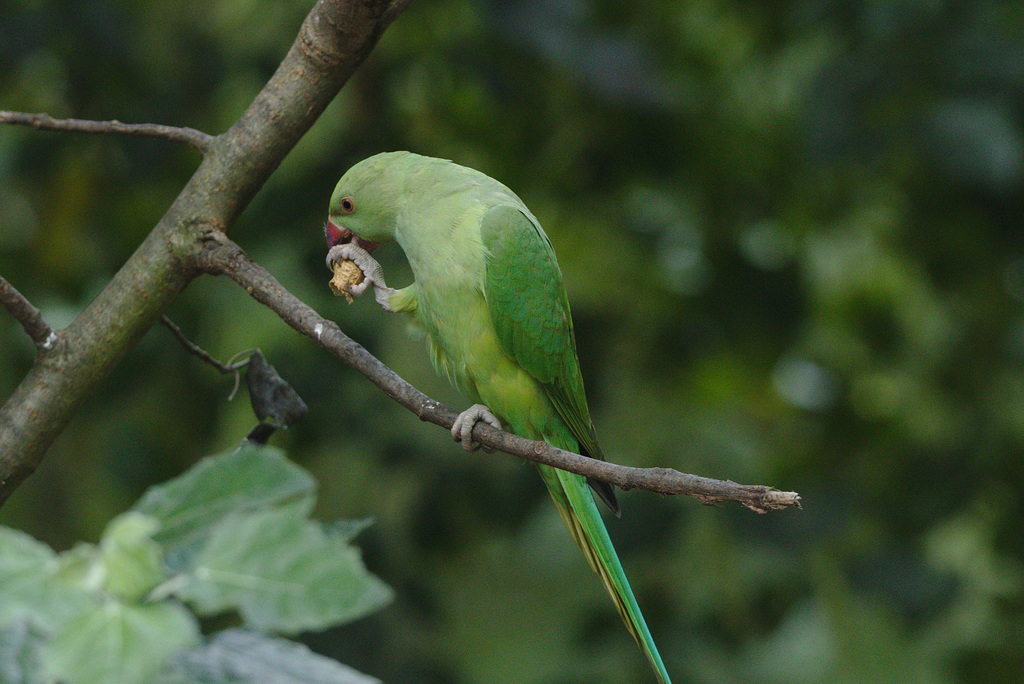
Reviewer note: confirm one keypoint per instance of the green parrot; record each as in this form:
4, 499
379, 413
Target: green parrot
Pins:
488, 294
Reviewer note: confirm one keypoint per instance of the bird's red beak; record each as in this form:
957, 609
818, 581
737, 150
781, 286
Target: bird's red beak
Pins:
339, 235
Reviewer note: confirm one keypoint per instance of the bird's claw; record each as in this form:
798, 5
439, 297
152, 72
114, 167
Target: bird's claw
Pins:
462, 429
373, 274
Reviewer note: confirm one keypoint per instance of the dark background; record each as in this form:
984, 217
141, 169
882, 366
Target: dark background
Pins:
791, 234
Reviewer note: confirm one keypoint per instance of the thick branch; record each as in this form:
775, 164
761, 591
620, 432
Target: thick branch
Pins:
26, 314
332, 42
226, 258
45, 122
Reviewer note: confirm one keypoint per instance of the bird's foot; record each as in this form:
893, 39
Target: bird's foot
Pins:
373, 274
462, 429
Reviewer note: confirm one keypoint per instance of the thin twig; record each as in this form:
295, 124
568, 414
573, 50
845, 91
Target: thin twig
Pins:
224, 257
191, 347
194, 349
29, 316
197, 139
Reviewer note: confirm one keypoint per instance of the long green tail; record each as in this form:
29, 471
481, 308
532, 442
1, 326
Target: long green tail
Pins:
576, 504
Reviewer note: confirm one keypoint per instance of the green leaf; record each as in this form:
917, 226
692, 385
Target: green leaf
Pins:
19, 548
80, 567
31, 585
23, 562
239, 656
114, 642
282, 572
133, 562
22, 558
127, 562
249, 478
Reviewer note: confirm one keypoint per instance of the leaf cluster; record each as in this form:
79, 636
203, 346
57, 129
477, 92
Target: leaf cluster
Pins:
229, 537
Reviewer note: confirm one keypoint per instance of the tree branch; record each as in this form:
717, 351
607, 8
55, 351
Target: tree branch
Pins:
224, 257
44, 122
26, 314
332, 41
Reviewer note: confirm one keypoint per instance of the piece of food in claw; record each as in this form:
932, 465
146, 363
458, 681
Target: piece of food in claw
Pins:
346, 273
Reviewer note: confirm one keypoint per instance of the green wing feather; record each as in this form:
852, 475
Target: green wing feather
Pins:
530, 311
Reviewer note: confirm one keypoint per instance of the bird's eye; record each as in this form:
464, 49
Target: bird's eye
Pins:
347, 205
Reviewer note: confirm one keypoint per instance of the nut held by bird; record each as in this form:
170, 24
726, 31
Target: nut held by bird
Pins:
346, 274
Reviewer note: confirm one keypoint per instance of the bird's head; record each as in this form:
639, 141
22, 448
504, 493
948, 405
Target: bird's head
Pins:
364, 205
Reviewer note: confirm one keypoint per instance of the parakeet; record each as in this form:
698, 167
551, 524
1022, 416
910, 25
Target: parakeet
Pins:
489, 296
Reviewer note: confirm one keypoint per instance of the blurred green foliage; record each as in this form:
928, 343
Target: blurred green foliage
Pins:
229, 537
791, 232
